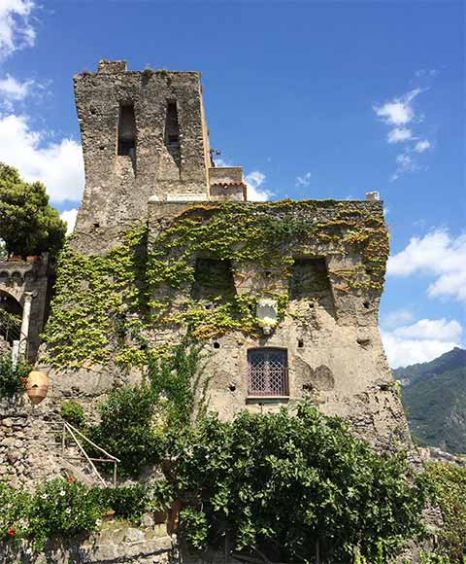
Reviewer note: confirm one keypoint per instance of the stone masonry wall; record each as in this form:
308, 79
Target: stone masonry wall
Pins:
117, 186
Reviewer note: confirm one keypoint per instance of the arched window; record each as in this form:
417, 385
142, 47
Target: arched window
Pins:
10, 317
268, 372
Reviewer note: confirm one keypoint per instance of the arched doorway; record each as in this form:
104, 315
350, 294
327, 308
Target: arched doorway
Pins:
10, 320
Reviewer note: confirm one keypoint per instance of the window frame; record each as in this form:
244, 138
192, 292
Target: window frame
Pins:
267, 392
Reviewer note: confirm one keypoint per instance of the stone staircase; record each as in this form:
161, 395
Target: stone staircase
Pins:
32, 448
73, 454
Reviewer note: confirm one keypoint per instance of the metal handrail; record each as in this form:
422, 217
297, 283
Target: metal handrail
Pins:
68, 428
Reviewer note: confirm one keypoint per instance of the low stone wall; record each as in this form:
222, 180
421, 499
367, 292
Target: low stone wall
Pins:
117, 543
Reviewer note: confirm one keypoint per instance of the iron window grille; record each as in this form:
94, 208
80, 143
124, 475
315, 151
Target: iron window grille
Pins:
268, 372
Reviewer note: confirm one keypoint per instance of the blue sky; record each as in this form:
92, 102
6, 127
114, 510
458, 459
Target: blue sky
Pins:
314, 100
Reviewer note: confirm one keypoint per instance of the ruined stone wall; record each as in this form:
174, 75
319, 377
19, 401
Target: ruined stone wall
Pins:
117, 543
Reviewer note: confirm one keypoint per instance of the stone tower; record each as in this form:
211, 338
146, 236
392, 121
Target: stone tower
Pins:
144, 136
283, 295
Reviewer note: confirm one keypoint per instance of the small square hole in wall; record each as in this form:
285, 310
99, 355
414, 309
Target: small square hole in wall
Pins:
300, 343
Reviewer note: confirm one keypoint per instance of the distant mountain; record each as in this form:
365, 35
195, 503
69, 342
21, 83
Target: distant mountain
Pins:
434, 396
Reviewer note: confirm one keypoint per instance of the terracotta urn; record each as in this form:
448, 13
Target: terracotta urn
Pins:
37, 385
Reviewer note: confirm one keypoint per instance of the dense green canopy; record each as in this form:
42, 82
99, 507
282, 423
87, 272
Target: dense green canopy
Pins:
28, 224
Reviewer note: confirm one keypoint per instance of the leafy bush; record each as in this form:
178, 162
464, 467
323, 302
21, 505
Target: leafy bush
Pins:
134, 418
28, 224
73, 413
128, 502
126, 429
162, 495
11, 377
62, 508
14, 507
286, 484
449, 483
431, 558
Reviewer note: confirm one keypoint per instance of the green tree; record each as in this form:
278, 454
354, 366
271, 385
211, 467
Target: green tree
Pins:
28, 224
126, 429
291, 486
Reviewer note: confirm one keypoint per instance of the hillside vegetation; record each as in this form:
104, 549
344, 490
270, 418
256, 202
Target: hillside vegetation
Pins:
434, 395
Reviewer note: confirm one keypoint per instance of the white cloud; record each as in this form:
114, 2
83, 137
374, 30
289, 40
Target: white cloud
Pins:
69, 216
12, 89
59, 165
398, 111
439, 255
221, 162
404, 164
397, 317
399, 135
429, 73
254, 181
16, 31
304, 180
422, 146
439, 329
397, 114
421, 342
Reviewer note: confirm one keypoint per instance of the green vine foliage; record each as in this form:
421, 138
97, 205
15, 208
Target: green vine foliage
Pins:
73, 412
96, 296
107, 305
290, 486
134, 419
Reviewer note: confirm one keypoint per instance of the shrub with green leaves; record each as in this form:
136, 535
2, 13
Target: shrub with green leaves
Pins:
126, 429
288, 484
11, 376
14, 506
62, 509
73, 413
449, 484
134, 418
128, 502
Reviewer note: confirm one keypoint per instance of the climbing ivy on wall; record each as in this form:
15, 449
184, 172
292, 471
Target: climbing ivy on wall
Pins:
109, 303
95, 297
